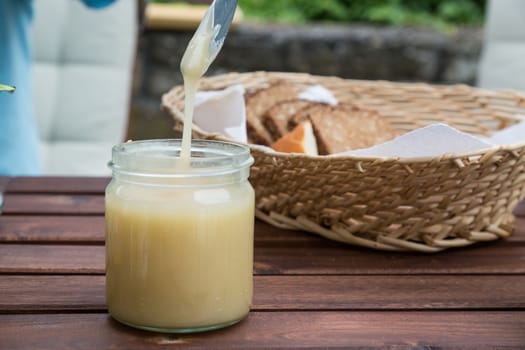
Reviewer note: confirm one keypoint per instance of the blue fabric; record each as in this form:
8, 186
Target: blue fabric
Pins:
18, 128
98, 3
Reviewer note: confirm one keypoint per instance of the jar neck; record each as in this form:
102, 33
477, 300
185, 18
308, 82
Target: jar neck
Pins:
210, 180
158, 163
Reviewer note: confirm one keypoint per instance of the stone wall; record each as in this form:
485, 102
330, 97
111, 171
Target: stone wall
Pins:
348, 51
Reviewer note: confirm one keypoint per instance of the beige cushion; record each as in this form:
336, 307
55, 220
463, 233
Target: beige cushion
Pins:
502, 63
83, 69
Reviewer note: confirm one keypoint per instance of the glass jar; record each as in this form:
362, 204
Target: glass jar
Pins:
179, 239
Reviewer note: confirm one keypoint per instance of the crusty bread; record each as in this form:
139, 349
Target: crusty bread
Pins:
277, 118
302, 114
299, 140
341, 128
258, 103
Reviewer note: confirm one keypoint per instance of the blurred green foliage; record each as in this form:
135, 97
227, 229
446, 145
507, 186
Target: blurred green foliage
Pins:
444, 15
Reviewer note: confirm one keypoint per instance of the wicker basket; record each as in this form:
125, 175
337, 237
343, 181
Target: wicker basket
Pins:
425, 204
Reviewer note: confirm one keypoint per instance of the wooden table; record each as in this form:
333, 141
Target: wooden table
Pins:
309, 291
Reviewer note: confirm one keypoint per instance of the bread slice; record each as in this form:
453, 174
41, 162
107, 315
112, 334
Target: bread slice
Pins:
302, 114
277, 118
299, 140
258, 103
342, 128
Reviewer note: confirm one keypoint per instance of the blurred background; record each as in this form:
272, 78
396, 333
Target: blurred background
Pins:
434, 41
100, 74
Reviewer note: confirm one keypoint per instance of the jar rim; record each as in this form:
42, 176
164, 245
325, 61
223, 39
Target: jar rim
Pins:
161, 157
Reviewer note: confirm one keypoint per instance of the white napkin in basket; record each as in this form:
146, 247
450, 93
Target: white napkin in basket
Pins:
318, 93
439, 139
222, 111
430, 141
508, 136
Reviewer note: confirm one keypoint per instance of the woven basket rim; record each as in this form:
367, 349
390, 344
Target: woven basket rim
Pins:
167, 107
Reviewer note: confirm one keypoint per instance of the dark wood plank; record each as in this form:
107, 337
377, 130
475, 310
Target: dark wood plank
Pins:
52, 229
56, 293
66, 293
53, 204
72, 229
4, 181
276, 259
283, 330
389, 292
15, 258
62, 185
498, 257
